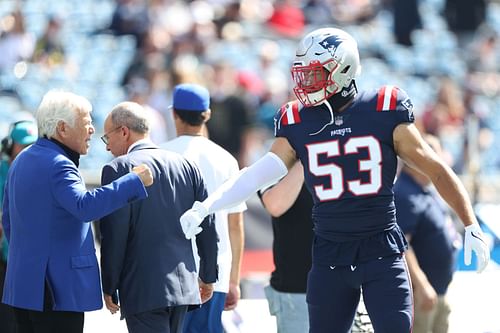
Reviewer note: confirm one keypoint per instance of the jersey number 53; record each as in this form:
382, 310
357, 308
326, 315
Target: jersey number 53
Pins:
371, 165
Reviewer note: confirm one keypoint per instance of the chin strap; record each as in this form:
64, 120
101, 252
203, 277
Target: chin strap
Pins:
331, 118
337, 101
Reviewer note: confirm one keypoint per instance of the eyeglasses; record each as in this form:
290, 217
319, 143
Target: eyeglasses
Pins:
105, 137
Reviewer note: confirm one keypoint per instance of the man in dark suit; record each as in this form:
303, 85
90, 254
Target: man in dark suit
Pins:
144, 254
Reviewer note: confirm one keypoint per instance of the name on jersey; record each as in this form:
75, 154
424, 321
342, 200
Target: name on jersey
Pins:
340, 131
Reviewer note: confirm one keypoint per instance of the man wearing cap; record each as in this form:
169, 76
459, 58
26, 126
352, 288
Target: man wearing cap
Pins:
21, 134
191, 109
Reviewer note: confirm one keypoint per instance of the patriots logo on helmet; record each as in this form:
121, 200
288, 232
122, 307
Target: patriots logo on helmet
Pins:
331, 43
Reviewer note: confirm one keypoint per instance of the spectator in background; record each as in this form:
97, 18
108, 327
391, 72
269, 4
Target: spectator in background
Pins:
287, 18
191, 108
148, 268
434, 242
406, 20
131, 17
445, 119
52, 271
21, 134
464, 17
49, 49
138, 91
231, 114
16, 44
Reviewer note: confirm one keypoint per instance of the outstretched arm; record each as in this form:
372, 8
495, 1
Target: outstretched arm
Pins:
411, 147
267, 170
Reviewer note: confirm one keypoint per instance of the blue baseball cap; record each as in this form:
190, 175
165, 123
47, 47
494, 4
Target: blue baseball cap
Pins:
24, 132
191, 97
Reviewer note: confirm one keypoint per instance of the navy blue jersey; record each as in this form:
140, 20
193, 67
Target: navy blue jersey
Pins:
349, 165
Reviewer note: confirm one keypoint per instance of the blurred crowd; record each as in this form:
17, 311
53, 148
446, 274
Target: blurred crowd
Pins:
444, 53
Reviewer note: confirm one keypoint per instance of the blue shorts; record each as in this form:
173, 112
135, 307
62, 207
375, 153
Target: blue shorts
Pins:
333, 294
207, 318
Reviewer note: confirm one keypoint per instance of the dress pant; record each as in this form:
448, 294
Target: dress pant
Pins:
7, 324
48, 320
164, 320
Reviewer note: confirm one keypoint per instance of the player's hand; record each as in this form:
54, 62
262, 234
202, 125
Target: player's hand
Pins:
474, 241
144, 173
191, 220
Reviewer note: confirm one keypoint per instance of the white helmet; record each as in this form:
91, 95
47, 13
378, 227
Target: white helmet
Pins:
326, 61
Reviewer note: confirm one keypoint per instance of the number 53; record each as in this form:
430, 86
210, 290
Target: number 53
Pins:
372, 165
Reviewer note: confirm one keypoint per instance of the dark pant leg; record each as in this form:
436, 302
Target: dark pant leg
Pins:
388, 296
48, 321
331, 301
177, 314
164, 320
67, 321
6, 312
22, 320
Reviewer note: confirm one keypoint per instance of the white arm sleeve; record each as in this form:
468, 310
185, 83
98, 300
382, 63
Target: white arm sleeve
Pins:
267, 170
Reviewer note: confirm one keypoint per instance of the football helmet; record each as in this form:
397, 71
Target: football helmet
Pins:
326, 61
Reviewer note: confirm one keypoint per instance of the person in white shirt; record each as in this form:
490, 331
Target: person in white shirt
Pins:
191, 109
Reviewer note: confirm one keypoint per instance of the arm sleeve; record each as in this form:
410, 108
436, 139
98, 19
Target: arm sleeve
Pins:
267, 170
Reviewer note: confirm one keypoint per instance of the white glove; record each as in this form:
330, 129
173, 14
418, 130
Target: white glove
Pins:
474, 241
191, 220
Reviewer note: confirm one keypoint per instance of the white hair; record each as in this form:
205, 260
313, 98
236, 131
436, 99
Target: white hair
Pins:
59, 106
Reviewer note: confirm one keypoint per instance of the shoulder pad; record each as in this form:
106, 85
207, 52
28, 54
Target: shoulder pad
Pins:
392, 98
288, 114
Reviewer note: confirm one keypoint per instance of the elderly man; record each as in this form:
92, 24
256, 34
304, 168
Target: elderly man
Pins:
146, 260
52, 271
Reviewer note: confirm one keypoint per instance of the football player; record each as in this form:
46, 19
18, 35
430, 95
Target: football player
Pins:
348, 143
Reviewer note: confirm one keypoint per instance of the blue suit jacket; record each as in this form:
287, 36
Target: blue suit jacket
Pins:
46, 211
144, 254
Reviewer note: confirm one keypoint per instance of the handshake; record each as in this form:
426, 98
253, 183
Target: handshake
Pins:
192, 218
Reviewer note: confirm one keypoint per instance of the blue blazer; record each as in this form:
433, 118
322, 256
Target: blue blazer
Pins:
46, 215
144, 254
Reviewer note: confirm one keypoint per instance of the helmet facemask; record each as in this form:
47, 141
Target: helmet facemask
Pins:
313, 83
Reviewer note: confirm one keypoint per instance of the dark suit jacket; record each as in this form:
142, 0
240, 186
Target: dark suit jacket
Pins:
144, 254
